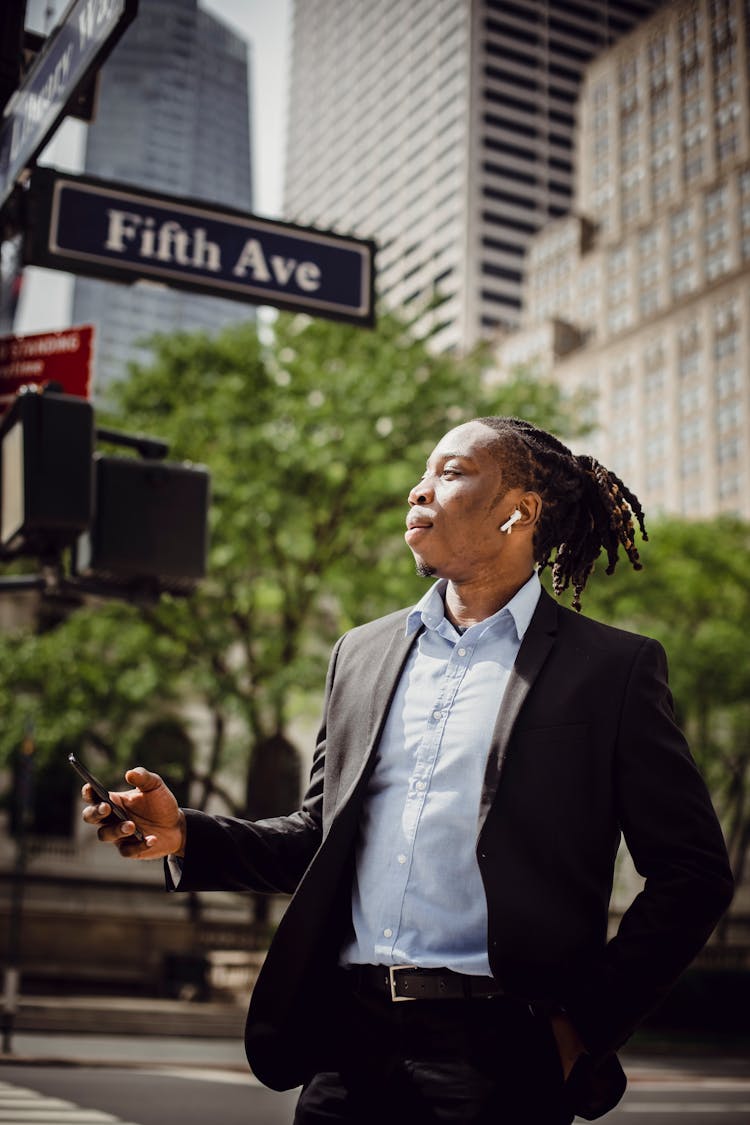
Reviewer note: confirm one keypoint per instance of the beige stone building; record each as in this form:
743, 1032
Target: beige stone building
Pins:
641, 298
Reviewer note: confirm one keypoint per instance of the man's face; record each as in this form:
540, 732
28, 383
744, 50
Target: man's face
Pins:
456, 509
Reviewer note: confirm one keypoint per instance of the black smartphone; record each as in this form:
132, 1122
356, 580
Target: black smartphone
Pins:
102, 793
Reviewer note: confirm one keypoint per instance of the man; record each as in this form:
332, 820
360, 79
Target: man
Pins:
479, 756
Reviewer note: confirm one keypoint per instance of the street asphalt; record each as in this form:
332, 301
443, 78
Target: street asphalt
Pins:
137, 1050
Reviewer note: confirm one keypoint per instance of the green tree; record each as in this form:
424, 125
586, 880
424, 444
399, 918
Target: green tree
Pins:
313, 441
693, 595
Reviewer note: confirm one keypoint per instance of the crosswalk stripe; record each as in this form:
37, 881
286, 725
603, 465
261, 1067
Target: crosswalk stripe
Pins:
686, 1107
21, 1106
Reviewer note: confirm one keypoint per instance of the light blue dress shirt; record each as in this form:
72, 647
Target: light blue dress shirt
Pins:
418, 897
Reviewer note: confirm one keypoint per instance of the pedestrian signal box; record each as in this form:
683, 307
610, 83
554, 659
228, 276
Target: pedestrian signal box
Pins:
149, 524
116, 526
46, 449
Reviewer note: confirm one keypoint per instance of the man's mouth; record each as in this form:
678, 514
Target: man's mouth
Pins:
416, 524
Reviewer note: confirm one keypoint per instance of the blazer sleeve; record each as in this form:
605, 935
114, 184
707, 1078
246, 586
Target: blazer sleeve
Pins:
224, 853
674, 837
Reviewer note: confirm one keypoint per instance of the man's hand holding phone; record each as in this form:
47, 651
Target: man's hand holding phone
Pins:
157, 827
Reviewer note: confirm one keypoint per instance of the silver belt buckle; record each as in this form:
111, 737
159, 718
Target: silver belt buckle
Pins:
392, 970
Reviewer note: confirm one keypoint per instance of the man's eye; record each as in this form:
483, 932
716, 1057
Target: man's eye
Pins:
451, 472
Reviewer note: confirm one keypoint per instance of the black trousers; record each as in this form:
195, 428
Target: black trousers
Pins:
425, 1061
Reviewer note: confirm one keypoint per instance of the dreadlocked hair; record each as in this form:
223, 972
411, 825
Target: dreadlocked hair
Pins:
585, 509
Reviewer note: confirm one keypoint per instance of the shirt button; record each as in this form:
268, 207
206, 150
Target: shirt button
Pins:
437, 714
421, 785
388, 932
462, 652
402, 858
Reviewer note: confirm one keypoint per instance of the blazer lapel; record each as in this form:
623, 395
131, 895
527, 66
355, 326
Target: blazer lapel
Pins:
384, 685
532, 654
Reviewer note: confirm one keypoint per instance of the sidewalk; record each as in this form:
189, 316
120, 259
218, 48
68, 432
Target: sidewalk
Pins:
127, 1031
131, 1015
45, 1049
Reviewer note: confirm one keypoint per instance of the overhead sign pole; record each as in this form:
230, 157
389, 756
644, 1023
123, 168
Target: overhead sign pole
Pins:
119, 233
87, 32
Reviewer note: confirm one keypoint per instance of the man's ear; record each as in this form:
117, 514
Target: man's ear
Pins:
530, 507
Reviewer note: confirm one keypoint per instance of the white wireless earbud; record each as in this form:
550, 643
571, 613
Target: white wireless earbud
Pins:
508, 525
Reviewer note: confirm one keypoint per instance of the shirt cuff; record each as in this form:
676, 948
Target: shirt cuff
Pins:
174, 862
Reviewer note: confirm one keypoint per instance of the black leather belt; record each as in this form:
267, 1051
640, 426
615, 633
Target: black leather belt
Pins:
407, 982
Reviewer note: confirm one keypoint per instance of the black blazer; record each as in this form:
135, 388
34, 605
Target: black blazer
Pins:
584, 747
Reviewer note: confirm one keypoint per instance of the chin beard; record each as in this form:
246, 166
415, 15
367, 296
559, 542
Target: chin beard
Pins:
425, 571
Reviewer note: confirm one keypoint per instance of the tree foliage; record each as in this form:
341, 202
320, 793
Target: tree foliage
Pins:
693, 595
313, 441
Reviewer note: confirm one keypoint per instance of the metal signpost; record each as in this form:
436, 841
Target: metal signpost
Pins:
87, 32
113, 231
46, 357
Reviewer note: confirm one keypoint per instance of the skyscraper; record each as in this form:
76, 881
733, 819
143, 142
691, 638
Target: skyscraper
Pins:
642, 299
173, 115
444, 129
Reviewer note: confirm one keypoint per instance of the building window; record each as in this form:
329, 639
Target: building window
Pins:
693, 111
656, 416
648, 241
631, 208
629, 154
691, 464
726, 344
689, 364
683, 282
655, 383
726, 314
726, 147
630, 123
661, 188
648, 302
661, 101
716, 201
628, 70
729, 450
727, 382
649, 273
693, 169
690, 82
729, 486
681, 222
716, 233
691, 399
717, 264
661, 132
728, 416
682, 253
656, 447
619, 318
601, 93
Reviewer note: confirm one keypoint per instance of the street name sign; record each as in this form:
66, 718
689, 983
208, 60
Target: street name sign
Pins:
119, 233
46, 357
86, 34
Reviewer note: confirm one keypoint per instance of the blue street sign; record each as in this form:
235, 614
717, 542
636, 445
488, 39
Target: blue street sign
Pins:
112, 231
87, 32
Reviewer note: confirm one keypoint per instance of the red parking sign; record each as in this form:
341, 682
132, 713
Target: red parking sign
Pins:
46, 357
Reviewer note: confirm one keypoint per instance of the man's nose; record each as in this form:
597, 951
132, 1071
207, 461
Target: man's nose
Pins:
421, 493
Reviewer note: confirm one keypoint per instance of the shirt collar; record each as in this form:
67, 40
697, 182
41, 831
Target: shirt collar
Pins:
430, 609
